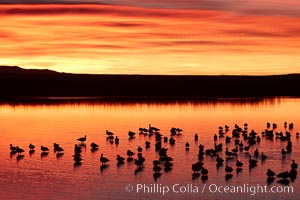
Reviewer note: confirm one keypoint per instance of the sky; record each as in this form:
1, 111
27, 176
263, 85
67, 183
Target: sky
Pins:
204, 37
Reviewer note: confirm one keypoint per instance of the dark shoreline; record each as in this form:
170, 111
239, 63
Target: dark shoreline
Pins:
20, 84
136, 100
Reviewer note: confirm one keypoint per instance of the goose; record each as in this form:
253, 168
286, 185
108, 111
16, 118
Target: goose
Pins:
246, 148
19, 150
168, 165
156, 169
131, 134
173, 131
103, 160
117, 140
156, 162
31, 146
139, 149
215, 137
187, 146
153, 128
283, 175
252, 162
120, 159
294, 165
94, 145
82, 139
172, 141
140, 161
285, 124
77, 158
228, 153
130, 153
256, 153
235, 150
228, 169
219, 160
227, 139
108, 133
59, 150
263, 156
204, 171
13, 148
179, 130
147, 143
270, 173
197, 167
43, 149
196, 137
239, 164
55, 146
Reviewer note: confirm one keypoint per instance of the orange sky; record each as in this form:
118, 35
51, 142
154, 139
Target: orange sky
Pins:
114, 39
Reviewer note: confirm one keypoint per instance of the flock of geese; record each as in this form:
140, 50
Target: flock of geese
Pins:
243, 140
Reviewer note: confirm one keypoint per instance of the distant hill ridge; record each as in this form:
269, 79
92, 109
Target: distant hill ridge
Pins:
19, 70
19, 82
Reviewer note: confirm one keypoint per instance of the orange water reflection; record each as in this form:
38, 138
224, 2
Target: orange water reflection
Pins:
49, 177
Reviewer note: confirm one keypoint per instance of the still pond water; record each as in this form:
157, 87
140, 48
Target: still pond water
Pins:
51, 177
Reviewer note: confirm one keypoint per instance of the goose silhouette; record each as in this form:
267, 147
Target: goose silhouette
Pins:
19, 150
228, 169
270, 173
147, 143
156, 162
120, 159
157, 168
256, 153
131, 134
94, 145
140, 149
197, 167
82, 139
103, 160
31, 146
12, 148
55, 146
108, 133
204, 171
130, 153
239, 164
117, 140
252, 162
294, 165
43, 149
283, 175
196, 137
187, 146
219, 160
263, 157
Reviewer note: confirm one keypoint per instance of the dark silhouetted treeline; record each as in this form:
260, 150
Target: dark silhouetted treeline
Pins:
17, 82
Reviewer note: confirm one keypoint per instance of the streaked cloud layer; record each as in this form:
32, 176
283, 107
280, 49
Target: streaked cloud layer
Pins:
156, 38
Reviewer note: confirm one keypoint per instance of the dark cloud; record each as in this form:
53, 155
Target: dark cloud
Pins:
253, 7
257, 33
123, 24
85, 10
178, 43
